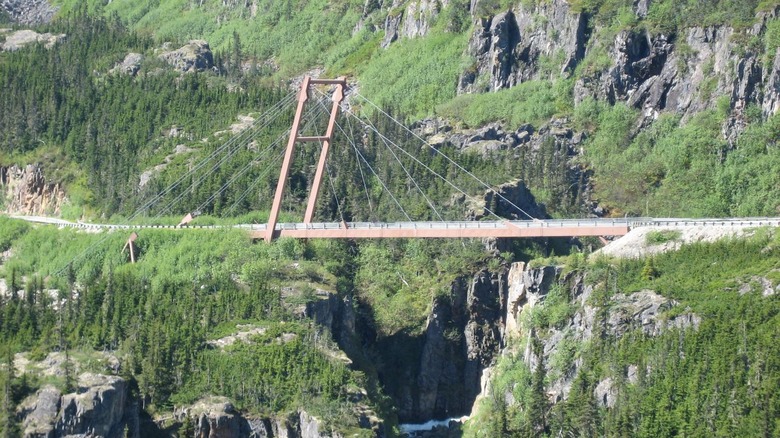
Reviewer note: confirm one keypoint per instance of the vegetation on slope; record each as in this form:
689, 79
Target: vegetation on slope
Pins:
191, 287
651, 172
719, 379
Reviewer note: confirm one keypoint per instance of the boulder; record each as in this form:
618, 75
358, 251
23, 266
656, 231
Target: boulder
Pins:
21, 38
96, 409
29, 12
130, 65
193, 56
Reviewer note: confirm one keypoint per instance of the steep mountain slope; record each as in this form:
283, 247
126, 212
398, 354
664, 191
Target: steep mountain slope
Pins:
600, 107
662, 97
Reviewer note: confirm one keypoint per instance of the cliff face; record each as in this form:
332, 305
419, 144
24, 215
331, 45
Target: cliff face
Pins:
97, 408
26, 191
29, 11
683, 73
587, 319
437, 374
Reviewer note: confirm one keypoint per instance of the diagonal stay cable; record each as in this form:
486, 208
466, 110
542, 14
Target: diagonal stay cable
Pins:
234, 178
267, 118
461, 191
409, 176
484, 184
251, 163
333, 189
357, 151
360, 168
255, 182
205, 175
252, 186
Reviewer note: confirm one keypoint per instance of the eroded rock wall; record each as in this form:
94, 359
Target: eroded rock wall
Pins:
25, 190
437, 374
97, 408
696, 69
29, 12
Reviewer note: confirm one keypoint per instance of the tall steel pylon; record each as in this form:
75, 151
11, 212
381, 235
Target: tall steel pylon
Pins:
303, 97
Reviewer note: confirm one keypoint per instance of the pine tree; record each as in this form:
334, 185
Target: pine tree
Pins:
649, 271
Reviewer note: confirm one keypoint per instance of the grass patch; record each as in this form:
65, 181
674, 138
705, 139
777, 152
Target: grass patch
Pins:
530, 102
413, 76
657, 237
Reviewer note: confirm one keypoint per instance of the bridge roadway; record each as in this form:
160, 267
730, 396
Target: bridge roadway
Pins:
453, 229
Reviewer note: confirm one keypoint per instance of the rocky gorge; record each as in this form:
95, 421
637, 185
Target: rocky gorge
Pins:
541, 318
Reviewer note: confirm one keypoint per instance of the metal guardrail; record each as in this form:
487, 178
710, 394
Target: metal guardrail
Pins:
447, 225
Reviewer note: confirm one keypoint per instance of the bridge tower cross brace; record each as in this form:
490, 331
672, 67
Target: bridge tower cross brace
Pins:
303, 97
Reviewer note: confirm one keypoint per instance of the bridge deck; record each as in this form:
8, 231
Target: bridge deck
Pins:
394, 230
453, 229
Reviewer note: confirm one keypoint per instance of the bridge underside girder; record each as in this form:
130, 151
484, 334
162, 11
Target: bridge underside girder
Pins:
444, 233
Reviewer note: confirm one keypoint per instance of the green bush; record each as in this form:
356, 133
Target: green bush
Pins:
657, 237
530, 102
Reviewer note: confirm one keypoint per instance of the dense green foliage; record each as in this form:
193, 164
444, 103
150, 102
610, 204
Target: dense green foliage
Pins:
189, 288
650, 172
530, 102
430, 67
297, 34
717, 379
112, 125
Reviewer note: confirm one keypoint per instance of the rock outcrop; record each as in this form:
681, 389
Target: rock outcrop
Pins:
130, 65
193, 56
25, 191
643, 310
29, 12
508, 48
438, 374
550, 146
18, 39
215, 417
96, 408
407, 19
696, 69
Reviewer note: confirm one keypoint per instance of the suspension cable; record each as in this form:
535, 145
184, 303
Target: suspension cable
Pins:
203, 176
408, 175
360, 168
357, 151
484, 184
461, 191
310, 118
268, 117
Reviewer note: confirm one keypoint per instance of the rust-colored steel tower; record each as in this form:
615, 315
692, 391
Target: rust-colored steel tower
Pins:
303, 96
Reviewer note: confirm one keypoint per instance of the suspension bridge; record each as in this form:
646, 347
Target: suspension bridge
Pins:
319, 91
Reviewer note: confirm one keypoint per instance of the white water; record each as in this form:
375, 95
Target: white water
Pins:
412, 428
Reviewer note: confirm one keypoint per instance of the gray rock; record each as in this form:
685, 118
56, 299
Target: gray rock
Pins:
40, 412
130, 65
21, 38
30, 12
462, 337
771, 104
193, 56
419, 16
392, 23
605, 393
28, 192
217, 418
512, 200
638, 309
632, 374
507, 48
642, 7
96, 409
